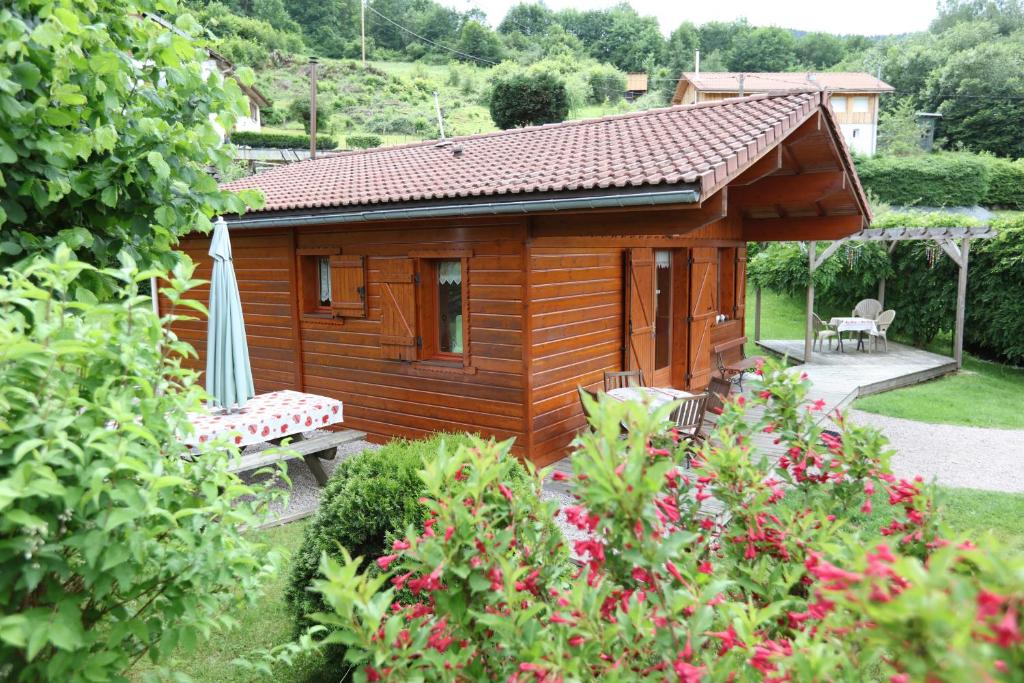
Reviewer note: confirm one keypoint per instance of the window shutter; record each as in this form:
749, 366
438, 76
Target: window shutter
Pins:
348, 287
398, 309
703, 278
640, 312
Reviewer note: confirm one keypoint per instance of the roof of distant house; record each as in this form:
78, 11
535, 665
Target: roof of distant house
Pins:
775, 82
699, 147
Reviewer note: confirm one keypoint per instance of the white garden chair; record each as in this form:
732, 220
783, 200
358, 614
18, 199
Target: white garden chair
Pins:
868, 308
823, 331
881, 327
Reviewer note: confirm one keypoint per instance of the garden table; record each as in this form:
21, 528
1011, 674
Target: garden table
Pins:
654, 396
271, 417
853, 324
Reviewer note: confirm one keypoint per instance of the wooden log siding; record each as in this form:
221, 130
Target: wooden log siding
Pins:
386, 397
577, 333
262, 266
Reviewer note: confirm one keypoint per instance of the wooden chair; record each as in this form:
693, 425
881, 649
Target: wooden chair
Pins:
822, 331
688, 418
619, 380
882, 327
718, 391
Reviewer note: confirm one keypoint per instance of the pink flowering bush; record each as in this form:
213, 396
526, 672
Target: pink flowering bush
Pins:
749, 565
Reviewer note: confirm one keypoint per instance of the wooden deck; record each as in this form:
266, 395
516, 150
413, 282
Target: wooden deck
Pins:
839, 378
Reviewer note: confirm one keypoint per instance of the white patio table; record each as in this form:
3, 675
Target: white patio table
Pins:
858, 325
654, 396
272, 417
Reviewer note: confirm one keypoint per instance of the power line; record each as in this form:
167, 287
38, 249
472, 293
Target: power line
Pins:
428, 40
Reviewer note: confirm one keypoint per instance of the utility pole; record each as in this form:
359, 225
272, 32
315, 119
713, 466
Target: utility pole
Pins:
312, 107
362, 27
741, 84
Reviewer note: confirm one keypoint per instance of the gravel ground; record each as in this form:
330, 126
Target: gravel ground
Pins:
964, 457
305, 494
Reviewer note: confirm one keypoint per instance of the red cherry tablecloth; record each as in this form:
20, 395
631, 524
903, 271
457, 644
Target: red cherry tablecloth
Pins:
267, 416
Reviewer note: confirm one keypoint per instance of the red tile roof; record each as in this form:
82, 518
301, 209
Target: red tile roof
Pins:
780, 82
704, 144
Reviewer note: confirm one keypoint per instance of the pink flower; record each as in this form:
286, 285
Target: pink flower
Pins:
399, 544
705, 567
505, 491
558, 475
576, 641
448, 533
385, 562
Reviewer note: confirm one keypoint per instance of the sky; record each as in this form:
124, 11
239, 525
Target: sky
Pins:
865, 17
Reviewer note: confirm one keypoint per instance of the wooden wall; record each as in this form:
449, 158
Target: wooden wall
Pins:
263, 267
576, 332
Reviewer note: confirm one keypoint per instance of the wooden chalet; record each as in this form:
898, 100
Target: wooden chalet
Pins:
474, 284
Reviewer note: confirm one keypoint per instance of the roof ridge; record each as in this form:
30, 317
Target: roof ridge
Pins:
547, 126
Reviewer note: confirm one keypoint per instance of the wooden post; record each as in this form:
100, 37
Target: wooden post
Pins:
312, 107
362, 28
757, 314
812, 248
881, 292
961, 304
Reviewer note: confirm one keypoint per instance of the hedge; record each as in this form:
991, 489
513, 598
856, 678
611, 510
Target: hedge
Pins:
281, 140
943, 179
923, 295
1006, 183
362, 141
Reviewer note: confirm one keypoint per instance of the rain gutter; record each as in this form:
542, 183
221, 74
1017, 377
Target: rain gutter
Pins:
691, 195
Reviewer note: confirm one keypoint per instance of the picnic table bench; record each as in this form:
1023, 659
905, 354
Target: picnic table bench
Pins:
271, 419
734, 369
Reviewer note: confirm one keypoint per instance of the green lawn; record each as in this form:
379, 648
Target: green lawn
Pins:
262, 626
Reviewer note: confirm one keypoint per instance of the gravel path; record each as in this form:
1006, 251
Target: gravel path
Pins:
964, 457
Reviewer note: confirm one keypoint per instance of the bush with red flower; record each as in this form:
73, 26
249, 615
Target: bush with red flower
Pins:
748, 565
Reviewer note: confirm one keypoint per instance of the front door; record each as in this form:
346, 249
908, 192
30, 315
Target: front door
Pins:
663, 305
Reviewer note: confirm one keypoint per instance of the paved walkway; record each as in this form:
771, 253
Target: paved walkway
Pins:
953, 455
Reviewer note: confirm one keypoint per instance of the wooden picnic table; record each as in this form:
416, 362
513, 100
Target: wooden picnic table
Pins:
853, 324
655, 397
269, 419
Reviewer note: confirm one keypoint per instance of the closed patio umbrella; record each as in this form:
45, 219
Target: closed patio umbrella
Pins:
228, 374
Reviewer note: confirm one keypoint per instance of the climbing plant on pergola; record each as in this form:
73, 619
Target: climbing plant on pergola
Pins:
956, 242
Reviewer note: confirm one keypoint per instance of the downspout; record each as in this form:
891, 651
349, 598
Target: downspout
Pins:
688, 196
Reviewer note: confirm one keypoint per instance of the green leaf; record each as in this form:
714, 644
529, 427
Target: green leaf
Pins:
156, 160
109, 196
121, 516
7, 155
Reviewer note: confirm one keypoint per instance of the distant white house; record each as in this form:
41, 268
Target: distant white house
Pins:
218, 62
854, 96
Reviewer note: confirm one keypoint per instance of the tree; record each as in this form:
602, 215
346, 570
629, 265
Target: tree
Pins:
979, 93
529, 99
632, 42
1008, 15
899, 130
765, 48
479, 41
529, 19
679, 51
718, 36
820, 50
103, 153
331, 27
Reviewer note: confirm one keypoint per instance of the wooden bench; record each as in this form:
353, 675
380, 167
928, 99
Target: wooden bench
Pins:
320, 446
733, 369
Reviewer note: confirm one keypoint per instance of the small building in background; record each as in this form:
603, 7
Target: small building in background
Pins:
636, 86
853, 95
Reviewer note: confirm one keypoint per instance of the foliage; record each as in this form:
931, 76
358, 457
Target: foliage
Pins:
528, 19
820, 50
481, 42
1006, 183
362, 141
330, 27
523, 100
899, 130
607, 84
280, 140
116, 544
995, 305
766, 48
618, 35
979, 91
787, 589
106, 135
1007, 14
252, 41
942, 179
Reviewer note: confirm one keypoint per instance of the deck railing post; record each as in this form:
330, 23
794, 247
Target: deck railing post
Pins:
812, 248
961, 304
757, 314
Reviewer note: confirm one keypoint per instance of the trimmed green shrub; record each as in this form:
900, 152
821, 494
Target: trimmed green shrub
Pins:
370, 498
995, 294
529, 99
607, 84
281, 140
944, 179
1006, 183
362, 141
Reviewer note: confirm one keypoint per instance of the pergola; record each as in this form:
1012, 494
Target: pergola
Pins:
955, 241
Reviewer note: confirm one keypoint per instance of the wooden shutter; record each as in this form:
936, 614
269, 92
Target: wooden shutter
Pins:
348, 287
398, 309
640, 312
740, 309
703, 280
